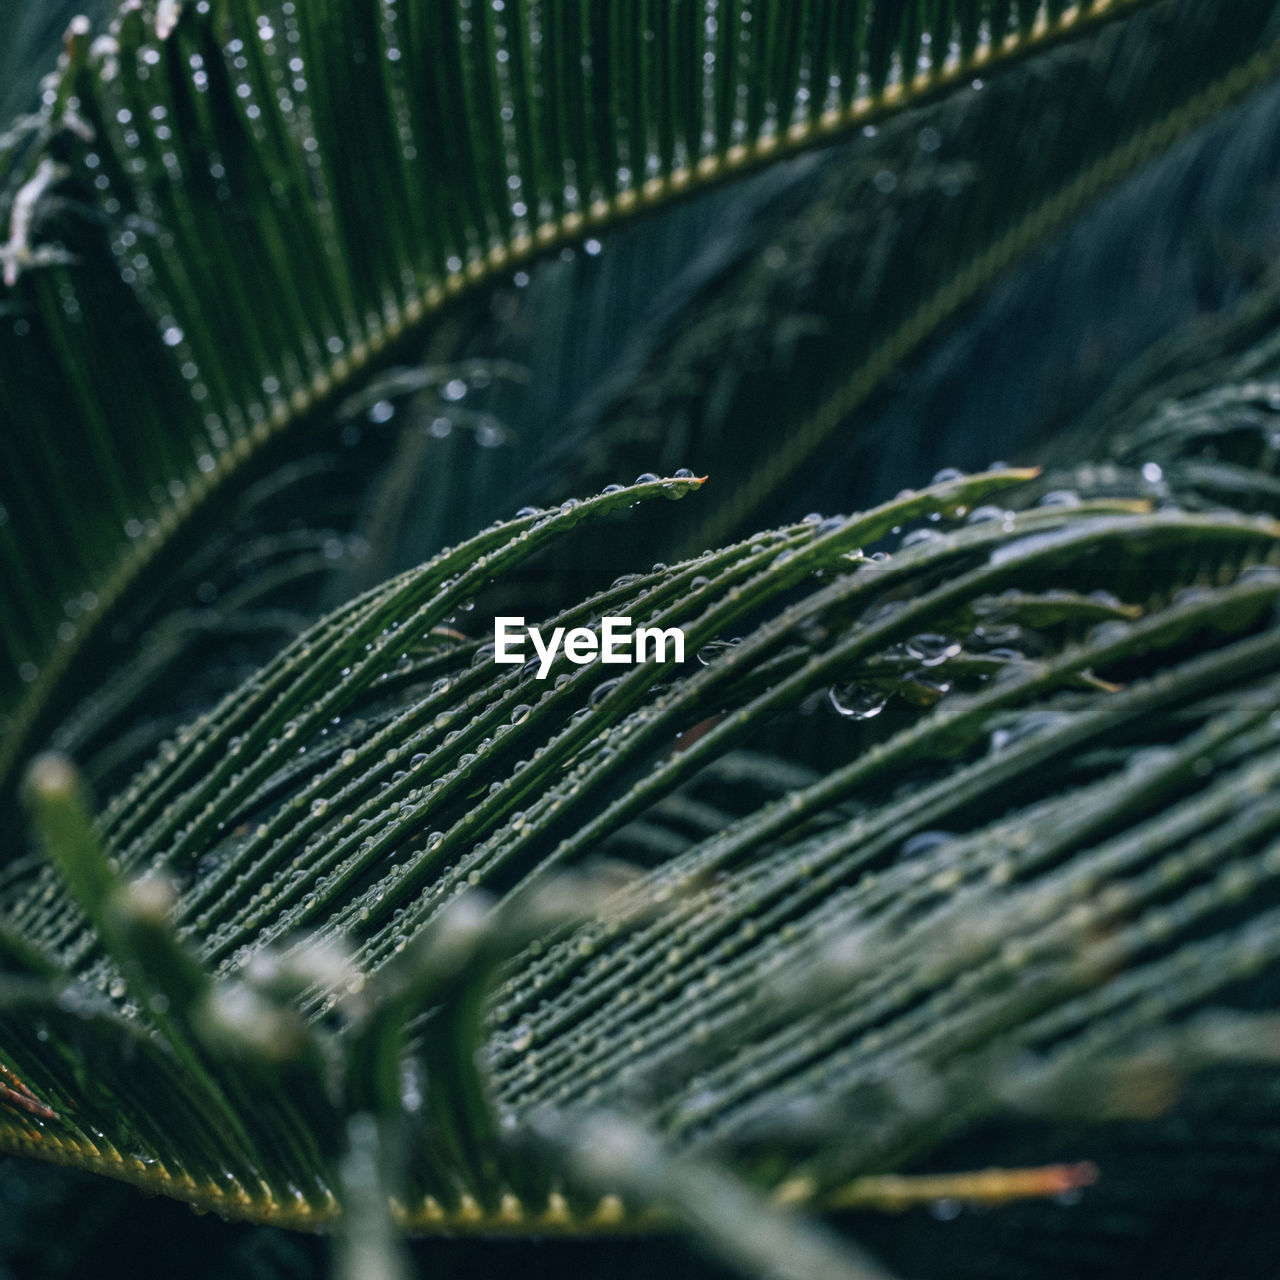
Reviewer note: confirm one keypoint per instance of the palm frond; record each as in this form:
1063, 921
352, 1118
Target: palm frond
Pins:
894, 239
958, 809
921, 905
201, 158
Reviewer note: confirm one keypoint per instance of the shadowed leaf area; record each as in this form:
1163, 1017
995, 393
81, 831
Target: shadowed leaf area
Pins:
906, 902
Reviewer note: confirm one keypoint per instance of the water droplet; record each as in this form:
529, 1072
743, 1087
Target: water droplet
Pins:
930, 650
924, 842
918, 536
1060, 498
1026, 726
857, 702
602, 691
985, 514
920, 691
709, 652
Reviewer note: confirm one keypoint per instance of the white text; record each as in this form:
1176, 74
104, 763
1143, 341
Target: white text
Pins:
614, 642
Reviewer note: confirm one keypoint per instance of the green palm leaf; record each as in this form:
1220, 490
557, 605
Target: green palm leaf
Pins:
367, 784
296, 147
353, 946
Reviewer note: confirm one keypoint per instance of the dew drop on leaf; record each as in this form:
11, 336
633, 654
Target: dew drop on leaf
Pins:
857, 702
